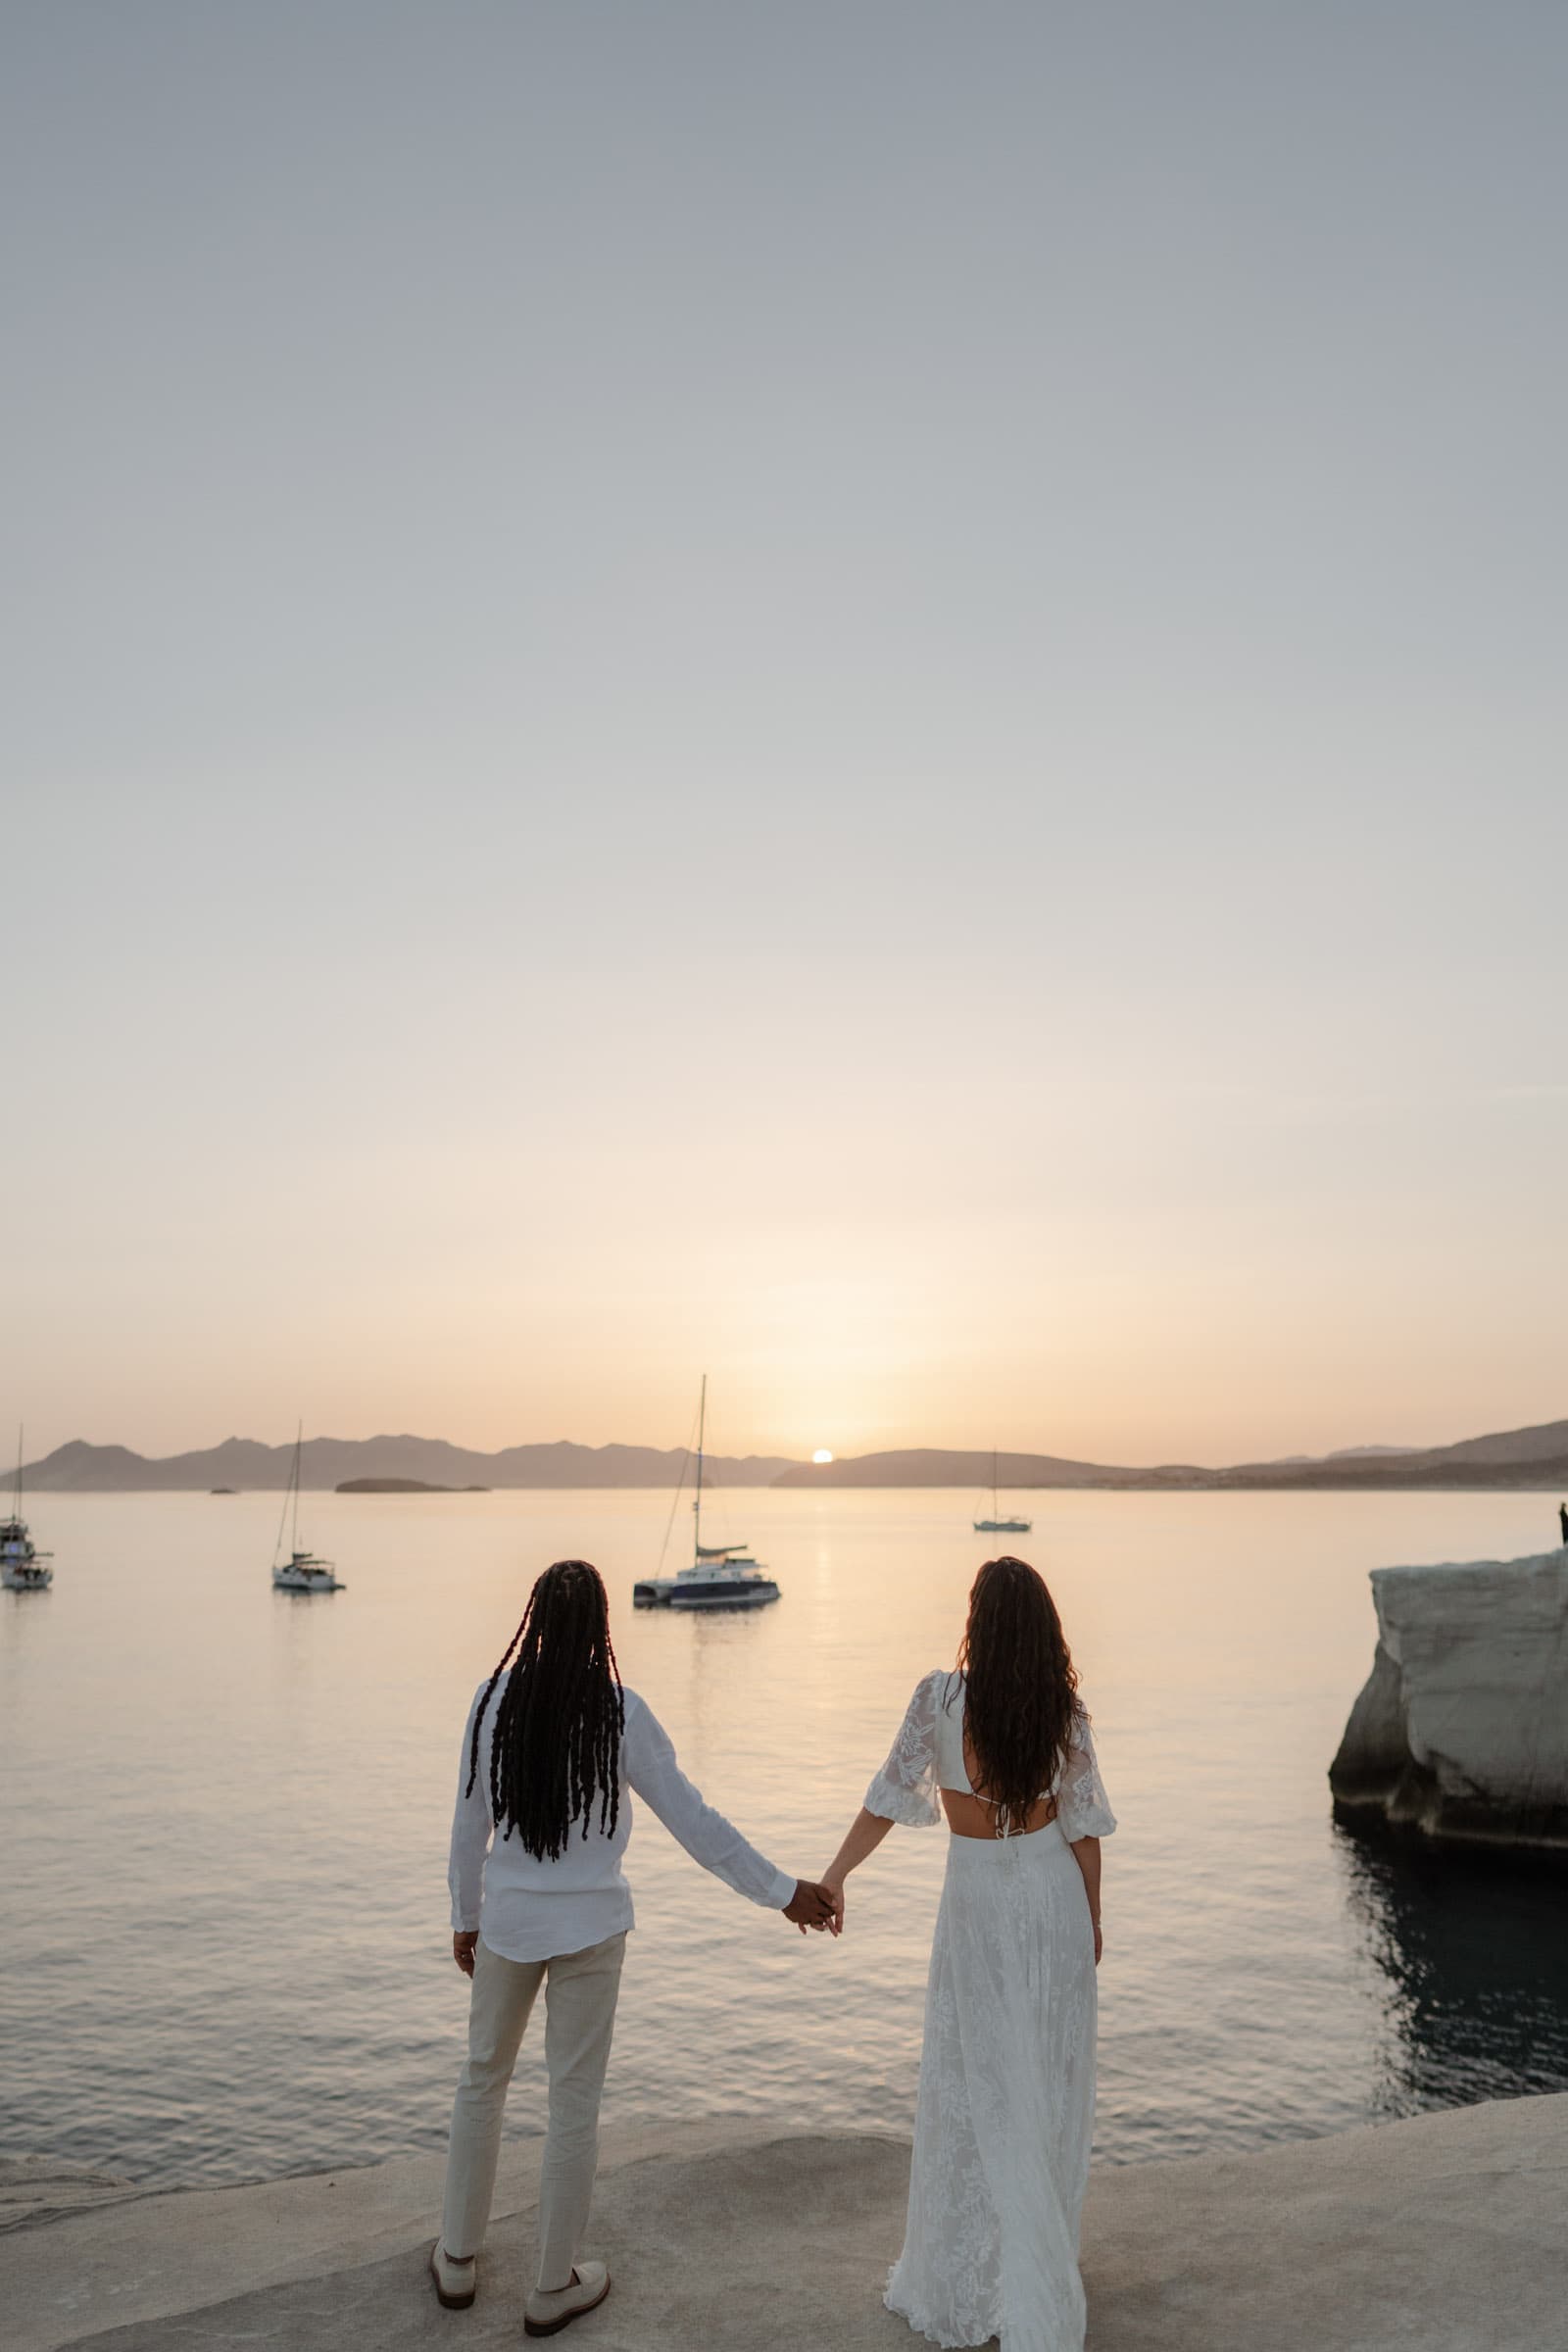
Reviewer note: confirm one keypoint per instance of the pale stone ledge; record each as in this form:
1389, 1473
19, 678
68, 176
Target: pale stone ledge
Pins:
1442, 2234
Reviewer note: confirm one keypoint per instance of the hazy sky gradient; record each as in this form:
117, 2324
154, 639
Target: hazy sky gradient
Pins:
868, 695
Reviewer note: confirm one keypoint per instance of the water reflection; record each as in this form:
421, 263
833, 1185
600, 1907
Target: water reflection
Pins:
1265, 1979
1474, 1951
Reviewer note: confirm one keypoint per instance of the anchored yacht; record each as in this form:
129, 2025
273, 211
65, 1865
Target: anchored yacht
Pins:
24, 1568
302, 1571
997, 1525
721, 1576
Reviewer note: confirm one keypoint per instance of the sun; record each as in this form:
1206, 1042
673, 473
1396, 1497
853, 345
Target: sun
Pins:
823, 1453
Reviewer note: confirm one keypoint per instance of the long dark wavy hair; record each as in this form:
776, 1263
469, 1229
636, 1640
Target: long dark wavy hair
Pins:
1020, 1687
555, 1750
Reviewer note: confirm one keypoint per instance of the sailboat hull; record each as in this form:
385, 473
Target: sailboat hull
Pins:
705, 1592
305, 1580
24, 1568
749, 1594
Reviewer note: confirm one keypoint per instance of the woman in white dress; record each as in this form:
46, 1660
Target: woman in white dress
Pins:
1007, 2103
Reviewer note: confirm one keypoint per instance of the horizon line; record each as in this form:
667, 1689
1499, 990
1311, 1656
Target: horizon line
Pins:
788, 1461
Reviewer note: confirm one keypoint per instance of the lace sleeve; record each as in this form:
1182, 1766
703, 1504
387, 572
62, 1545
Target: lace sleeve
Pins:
1082, 1807
905, 1788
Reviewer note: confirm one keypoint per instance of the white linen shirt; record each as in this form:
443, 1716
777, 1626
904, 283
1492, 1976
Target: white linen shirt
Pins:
528, 1909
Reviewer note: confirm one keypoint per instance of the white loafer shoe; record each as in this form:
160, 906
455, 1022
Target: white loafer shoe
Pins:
546, 2314
455, 2283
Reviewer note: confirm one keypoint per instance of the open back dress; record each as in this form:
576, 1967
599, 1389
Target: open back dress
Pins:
1005, 2114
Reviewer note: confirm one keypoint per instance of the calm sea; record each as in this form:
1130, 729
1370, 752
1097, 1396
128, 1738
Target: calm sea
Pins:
223, 1816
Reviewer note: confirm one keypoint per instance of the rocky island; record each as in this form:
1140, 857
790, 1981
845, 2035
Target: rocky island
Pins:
400, 1486
1460, 1733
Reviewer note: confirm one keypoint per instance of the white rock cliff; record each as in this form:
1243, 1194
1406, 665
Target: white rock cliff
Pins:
1461, 1731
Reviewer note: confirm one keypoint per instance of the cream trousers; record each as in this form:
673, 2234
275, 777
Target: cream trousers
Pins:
580, 1990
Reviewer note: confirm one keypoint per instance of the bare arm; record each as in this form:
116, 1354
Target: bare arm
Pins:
904, 1789
1086, 1854
865, 1833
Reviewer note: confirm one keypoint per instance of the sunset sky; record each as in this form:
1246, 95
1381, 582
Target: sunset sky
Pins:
867, 697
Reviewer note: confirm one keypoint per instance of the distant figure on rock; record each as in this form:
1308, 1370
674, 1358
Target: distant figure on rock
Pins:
1006, 2105
1562, 1519
552, 1747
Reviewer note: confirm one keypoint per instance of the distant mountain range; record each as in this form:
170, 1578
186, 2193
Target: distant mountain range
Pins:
326, 1462
1518, 1457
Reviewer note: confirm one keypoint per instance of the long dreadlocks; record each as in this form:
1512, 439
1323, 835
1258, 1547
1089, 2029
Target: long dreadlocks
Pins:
556, 1746
1020, 1687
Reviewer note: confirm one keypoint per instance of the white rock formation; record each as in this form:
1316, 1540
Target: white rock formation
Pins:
1461, 1731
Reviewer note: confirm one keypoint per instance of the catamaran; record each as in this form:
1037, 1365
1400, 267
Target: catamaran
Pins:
24, 1568
721, 1576
996, 1525
302, 1571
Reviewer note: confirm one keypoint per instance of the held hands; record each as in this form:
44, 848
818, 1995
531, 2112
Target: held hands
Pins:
813, 1906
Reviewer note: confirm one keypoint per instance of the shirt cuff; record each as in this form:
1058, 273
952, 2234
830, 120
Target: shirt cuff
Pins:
783, 1890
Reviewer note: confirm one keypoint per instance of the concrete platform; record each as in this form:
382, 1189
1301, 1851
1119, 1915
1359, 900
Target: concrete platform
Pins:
1449, 2233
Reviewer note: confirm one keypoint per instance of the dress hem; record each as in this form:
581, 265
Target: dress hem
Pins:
933, 2335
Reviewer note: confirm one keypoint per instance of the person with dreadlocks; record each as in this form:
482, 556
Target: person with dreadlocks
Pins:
552, 1744
1007, 2102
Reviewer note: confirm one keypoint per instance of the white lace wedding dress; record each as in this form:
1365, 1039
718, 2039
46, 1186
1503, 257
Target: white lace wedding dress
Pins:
1007, 2103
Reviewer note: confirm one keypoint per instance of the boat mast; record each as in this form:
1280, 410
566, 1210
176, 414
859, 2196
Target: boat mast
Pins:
697, 1501
996, 1507
291, 1490
299, 1440
16, 1509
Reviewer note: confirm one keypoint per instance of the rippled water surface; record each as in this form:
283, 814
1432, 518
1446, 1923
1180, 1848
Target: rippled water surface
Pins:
223, 1817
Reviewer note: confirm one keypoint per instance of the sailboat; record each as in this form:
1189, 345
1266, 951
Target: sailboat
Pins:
721, 1576
23, 1567
996, 1525
302, 1571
